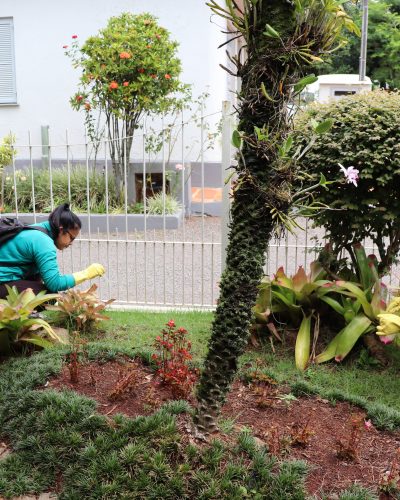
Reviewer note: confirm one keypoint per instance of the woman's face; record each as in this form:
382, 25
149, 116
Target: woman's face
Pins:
66, 237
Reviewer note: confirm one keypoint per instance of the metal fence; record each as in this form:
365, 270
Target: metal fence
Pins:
151, 259
165, 260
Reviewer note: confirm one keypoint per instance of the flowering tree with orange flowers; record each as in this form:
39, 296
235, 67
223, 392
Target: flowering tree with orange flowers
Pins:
129, 68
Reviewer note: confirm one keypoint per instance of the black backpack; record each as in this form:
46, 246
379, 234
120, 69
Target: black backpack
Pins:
10, 227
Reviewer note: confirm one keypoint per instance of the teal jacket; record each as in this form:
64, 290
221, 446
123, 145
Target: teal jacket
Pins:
30, 253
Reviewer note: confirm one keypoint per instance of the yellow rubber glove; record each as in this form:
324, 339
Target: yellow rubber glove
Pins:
89, 273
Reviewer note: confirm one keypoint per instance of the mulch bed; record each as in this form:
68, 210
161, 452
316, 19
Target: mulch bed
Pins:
307, 428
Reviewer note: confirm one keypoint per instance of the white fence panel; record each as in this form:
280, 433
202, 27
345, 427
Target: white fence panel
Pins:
163, 260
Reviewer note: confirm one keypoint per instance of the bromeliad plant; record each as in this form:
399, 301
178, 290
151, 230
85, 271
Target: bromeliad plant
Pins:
302, 299
17, 323
80, 310
360, 305
297, 298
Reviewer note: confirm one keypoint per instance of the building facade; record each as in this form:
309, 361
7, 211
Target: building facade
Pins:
37, 79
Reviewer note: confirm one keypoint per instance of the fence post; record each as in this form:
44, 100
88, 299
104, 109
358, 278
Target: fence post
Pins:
226, 181
45, 146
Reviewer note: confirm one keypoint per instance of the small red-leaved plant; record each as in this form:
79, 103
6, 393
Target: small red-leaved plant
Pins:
172, 359
348, 449
390, 480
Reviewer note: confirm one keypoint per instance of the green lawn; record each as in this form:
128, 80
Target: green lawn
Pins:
349, 380
139, 328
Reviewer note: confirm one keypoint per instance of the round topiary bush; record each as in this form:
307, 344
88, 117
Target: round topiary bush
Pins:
365, 135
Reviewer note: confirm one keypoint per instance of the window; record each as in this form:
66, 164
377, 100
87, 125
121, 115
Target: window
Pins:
8, 90
344, 92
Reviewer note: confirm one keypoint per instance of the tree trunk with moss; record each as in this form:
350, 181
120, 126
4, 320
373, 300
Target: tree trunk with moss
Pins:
276, 56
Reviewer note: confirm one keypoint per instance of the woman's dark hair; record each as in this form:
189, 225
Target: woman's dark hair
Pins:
62, 216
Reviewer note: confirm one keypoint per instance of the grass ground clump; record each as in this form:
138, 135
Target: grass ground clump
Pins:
57, 435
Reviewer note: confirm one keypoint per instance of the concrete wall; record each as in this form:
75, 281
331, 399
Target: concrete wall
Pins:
328, 92
44, 76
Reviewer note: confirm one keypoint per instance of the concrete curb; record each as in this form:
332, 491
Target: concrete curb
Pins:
98, 222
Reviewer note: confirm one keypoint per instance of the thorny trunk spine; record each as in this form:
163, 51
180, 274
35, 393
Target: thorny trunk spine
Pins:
238, 286
275, 58
258, 185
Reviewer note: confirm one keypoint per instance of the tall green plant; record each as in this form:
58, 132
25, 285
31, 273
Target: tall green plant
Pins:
129, 69
281, 40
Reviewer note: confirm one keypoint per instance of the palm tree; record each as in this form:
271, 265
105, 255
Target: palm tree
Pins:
280, 40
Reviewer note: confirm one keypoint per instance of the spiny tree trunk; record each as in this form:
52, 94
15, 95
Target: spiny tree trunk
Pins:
262, 189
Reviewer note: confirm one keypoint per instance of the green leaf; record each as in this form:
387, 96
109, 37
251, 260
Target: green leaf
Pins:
37, 340
358, 294
288, 144
229, 177
315, 58
307, 80
298, 5
345, 340
265, 93
323, 127
303, 342
269, 31
236, 139
336, 306
367, 279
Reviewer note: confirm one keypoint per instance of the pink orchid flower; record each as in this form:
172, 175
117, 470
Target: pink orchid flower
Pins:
387, 339
350, 173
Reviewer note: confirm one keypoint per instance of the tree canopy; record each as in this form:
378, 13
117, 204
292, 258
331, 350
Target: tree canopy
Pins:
383, 48
129, 68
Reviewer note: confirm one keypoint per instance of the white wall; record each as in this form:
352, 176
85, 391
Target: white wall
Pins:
46, 80
327, 92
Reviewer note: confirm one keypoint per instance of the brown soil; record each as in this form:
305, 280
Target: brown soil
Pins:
307, 428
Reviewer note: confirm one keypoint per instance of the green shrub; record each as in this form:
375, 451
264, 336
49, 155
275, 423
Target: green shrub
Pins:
156, 204
78, 186
78, 175
365, 135
6, 151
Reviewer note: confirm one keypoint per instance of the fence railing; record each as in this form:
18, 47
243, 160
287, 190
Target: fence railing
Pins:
154, 236
152, 257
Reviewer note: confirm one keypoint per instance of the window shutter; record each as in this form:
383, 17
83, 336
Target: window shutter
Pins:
8, 91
